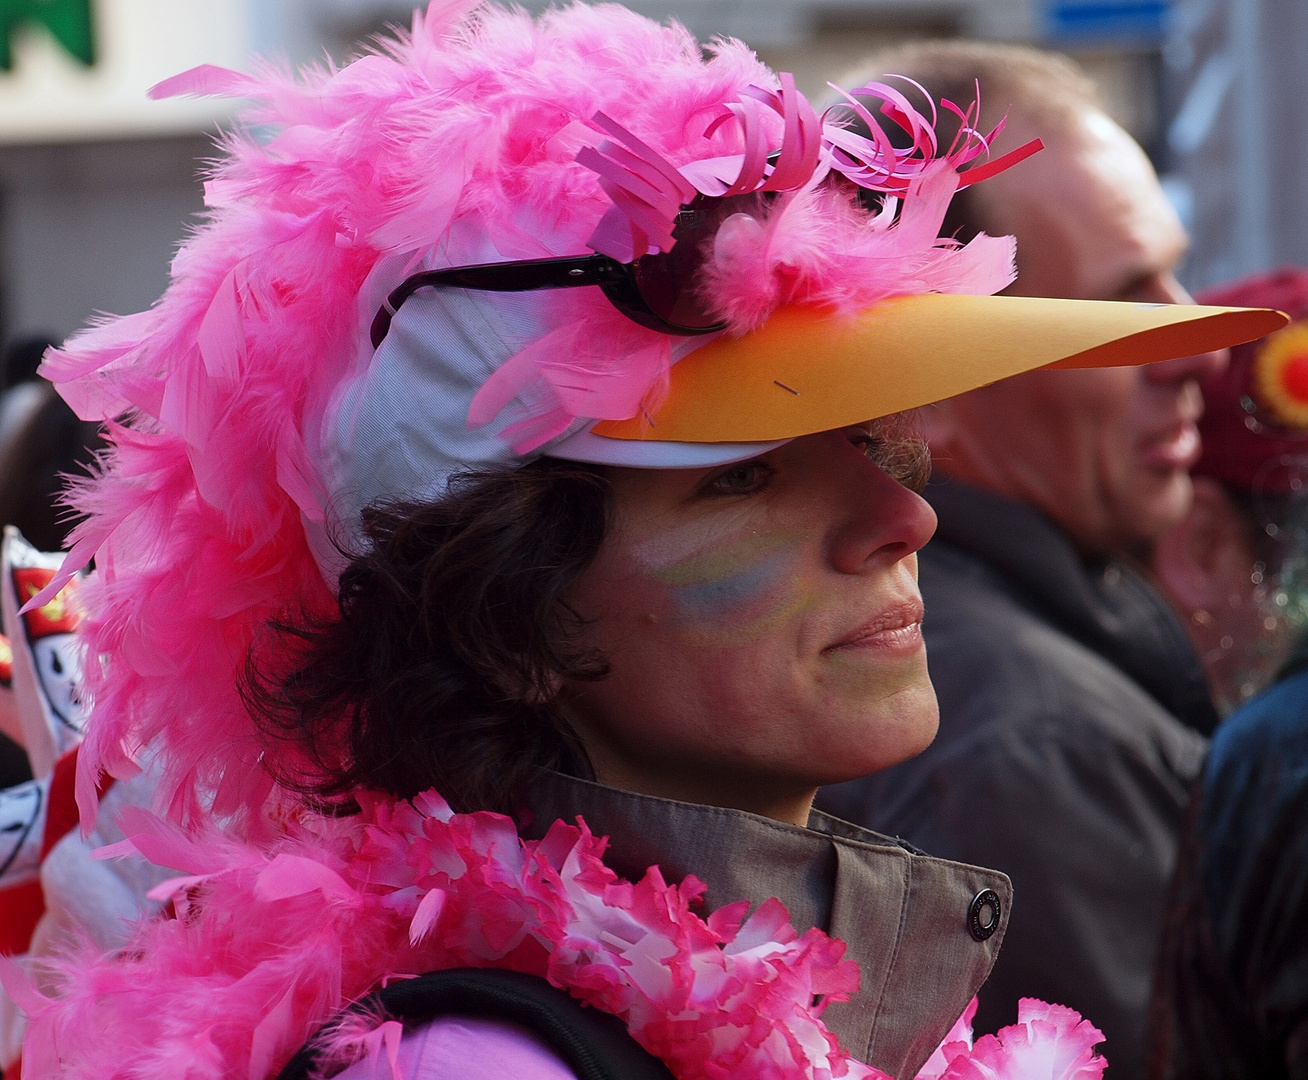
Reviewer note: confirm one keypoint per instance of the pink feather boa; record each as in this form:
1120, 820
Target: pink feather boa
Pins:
270, 943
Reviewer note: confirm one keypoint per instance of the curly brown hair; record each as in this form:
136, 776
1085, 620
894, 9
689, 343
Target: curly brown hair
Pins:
452, 638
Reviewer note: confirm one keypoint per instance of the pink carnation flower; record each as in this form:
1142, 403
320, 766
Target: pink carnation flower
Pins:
1048, 1042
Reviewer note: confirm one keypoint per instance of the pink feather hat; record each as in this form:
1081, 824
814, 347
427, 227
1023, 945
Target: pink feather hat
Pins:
250, 416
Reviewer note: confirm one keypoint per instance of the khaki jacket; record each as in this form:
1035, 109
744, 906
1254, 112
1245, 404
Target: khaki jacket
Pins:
923, 941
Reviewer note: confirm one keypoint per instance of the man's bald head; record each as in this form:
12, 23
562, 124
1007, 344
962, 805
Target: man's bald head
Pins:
1039, 94
1043, 86
1105, 453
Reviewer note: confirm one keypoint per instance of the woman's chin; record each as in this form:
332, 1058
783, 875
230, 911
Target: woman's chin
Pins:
900, 726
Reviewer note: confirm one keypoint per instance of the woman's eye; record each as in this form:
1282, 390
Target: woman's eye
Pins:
743, 479
869, 444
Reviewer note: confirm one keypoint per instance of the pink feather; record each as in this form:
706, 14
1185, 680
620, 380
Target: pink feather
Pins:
206, 80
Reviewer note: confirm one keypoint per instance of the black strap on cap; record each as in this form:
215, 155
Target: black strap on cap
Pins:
594, 1044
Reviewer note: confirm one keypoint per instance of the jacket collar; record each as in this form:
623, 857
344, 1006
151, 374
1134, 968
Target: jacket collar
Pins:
904, 916
1105, 605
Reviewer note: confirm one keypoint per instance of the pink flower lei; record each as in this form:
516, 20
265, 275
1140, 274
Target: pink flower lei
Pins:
268, 945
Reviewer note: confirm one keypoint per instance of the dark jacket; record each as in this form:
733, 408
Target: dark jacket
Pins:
1231, 999
1060, 758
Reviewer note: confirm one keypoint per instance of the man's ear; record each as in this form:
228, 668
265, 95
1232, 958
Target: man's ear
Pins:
1205, 555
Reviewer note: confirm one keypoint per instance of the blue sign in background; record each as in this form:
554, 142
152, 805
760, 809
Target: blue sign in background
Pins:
1105, 20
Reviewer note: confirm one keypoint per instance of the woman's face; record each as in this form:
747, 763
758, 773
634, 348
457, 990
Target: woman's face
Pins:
762, 623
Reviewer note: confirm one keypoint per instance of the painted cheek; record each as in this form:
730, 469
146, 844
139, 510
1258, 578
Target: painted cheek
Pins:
726, 597
729, 596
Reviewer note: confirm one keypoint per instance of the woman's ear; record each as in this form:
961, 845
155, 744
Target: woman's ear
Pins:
1203, 563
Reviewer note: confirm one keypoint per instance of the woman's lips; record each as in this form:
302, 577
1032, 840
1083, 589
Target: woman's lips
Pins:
1178, 448
897, 629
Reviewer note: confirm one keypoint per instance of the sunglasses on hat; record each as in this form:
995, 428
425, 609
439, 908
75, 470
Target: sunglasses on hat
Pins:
657, 291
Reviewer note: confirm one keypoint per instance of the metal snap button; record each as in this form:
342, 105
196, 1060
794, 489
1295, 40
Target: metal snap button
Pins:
983, 914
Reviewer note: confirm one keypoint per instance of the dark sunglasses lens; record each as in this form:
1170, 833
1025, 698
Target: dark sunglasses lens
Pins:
668, 282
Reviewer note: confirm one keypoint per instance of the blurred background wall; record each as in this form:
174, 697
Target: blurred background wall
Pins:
98, 184
1236, 144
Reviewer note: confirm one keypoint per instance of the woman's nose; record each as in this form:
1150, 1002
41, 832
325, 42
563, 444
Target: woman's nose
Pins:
883, 522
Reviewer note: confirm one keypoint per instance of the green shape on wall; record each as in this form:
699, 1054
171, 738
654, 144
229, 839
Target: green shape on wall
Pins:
69, 21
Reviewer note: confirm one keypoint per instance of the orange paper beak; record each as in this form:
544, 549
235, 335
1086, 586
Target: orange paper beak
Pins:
807, 370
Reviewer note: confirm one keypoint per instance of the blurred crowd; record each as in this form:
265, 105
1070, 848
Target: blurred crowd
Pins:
1116, 596
41, 442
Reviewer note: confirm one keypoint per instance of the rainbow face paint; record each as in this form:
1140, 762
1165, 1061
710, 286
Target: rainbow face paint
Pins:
726, 590
727, 596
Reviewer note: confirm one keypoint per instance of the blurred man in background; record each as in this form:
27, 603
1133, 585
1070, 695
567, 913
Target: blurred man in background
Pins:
1231, 997
1073, 708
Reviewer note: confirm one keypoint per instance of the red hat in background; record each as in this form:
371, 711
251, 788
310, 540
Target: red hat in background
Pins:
1255, 422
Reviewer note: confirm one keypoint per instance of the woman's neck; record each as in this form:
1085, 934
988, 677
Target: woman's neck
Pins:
766, 797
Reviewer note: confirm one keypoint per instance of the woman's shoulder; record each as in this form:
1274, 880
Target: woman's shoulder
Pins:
466, 1048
